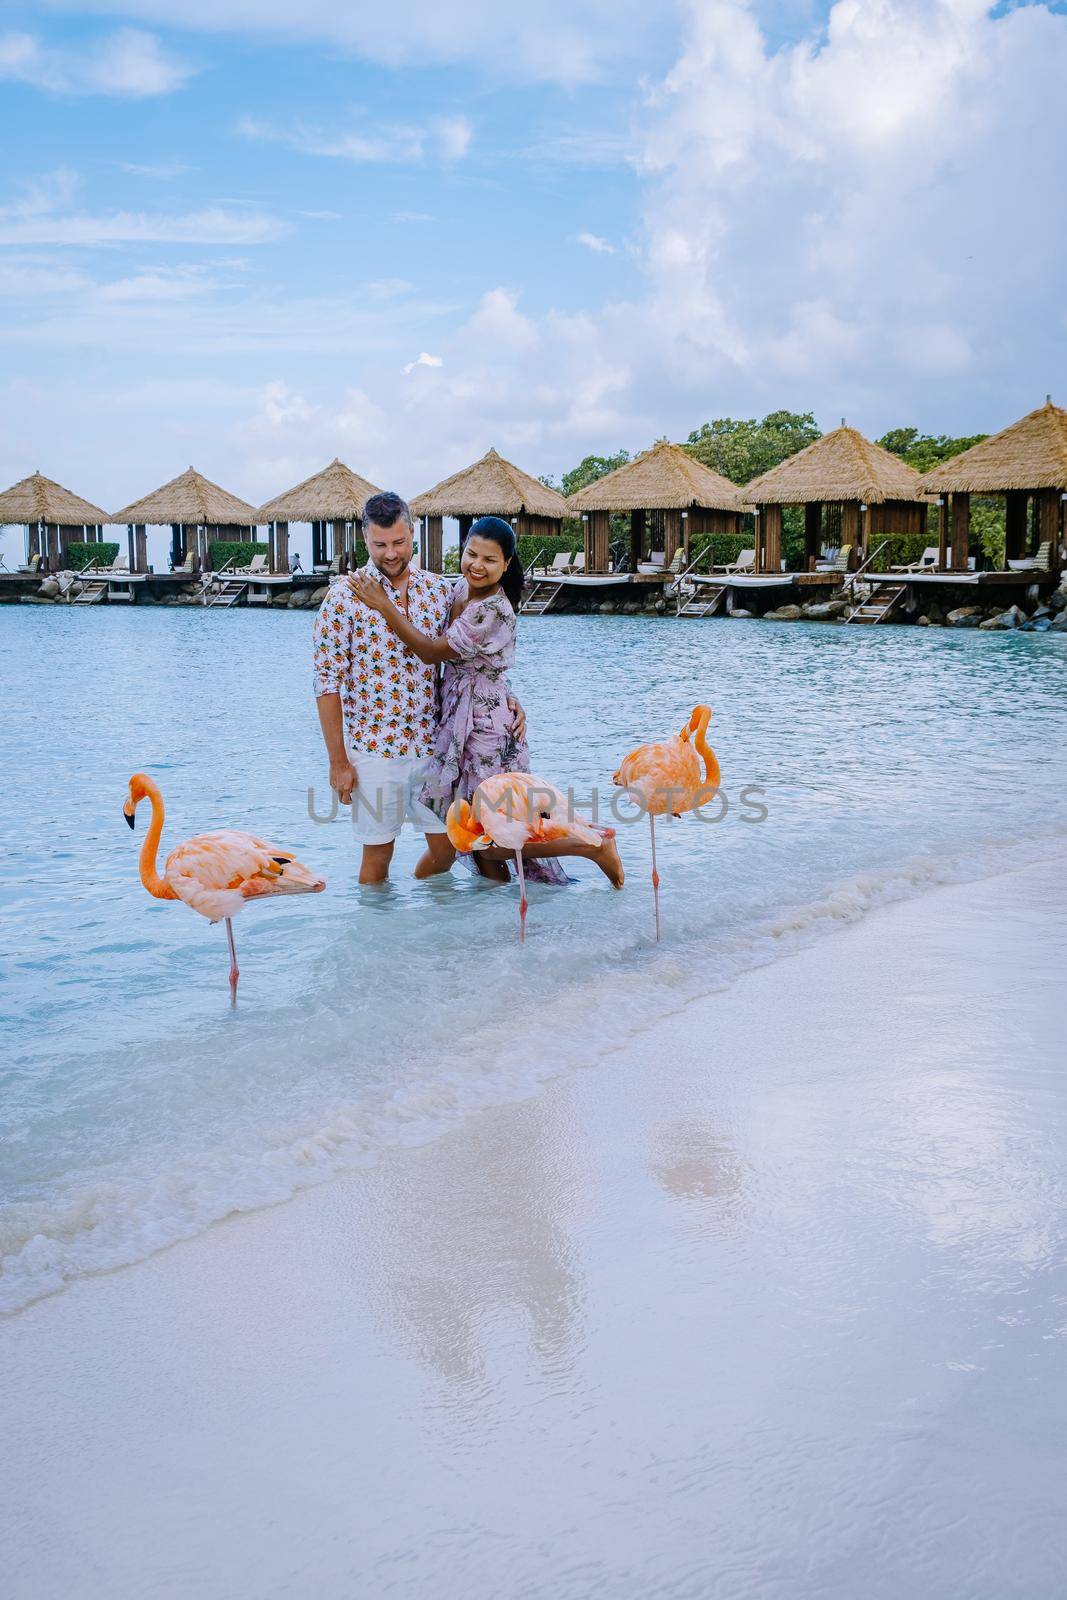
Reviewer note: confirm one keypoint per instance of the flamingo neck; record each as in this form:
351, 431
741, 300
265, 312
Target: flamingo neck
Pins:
147, 861
698, 724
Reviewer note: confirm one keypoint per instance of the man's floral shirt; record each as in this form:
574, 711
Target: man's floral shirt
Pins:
389, 696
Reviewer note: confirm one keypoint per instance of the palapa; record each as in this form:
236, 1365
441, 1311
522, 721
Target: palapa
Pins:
191, 500
665, 478
37, 499
1030, 454
331, 495
841, 466
492, 487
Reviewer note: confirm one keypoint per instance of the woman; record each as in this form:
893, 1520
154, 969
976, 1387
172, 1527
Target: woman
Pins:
475, 736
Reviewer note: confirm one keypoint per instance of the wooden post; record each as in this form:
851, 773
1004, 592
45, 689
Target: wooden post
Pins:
52, 537
281, 547
140, 548
769, 539
672, 535
433, 544
851, 527
33, 540
812, 534
597, 531
942, 534
961, 531
1014, 524
340, 539
131, 548
464, 528
637, 538
1048, 521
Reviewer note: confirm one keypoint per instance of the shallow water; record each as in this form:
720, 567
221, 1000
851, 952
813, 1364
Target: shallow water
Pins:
137, 1107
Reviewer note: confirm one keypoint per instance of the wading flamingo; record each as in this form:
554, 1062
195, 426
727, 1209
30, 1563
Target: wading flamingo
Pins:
666, 778
215, 873
513, 809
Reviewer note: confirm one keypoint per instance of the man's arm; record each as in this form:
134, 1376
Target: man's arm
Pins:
332, 634
343, 775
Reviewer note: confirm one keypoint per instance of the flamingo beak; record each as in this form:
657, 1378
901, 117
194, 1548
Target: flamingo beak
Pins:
128, 815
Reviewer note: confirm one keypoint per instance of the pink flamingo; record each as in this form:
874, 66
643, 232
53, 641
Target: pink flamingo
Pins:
665, 777
513, 809
215, 873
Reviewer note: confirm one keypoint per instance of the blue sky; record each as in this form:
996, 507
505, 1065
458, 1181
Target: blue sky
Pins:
596, 224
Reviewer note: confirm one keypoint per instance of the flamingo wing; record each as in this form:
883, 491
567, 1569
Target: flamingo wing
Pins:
215, 873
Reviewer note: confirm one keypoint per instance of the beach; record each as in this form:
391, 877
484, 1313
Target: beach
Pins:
767, 1301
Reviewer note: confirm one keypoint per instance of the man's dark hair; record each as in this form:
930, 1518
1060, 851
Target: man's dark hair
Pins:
383, 510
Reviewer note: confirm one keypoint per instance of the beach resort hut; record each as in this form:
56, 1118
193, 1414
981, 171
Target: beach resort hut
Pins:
854, 494
669, 496
53, 518
492, 487
196, 511
332, 501
1027, 464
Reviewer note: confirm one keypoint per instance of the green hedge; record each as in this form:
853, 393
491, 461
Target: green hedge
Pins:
79, 554
236, 551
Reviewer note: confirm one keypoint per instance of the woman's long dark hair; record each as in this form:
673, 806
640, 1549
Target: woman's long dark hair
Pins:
503, 534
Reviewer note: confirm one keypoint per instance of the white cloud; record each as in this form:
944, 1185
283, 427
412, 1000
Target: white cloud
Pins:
163, 170
128, 64
423, 360
593, 241
447, 137
41, 216
411, 216
560, 41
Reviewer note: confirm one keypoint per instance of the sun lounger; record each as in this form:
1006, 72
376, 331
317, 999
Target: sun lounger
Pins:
654, 564
928, 559
32, 565
258, 563
840, 563
746, 562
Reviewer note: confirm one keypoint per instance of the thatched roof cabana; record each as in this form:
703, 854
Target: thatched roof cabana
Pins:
334, 496
196, 510
491, 487
684, 496
1027, 464
52, 517
870, 493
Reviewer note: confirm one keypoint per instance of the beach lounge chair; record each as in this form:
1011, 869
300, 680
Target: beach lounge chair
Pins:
654, 563
578, 564
558, 567
840, 562
678, 563
32, 565
746, 562
188, 566
258, 563
928, 559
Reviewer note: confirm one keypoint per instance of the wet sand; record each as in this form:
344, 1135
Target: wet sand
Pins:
769, 1304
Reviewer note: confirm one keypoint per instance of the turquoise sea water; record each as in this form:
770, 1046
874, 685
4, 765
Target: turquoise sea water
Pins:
136, 1107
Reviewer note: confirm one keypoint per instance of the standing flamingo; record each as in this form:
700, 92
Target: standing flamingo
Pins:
215, 873
513, 809
666, 777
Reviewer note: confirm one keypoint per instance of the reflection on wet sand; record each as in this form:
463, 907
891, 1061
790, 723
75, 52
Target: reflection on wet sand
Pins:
691, 1161
470, 1231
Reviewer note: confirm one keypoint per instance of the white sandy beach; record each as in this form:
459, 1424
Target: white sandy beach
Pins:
768, 1304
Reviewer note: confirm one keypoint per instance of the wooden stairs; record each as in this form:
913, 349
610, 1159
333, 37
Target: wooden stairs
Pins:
878, 607
702, 602
91, 592
226, 593
539, 598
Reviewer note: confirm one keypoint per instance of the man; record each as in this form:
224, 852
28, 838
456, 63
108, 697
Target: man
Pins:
373, 691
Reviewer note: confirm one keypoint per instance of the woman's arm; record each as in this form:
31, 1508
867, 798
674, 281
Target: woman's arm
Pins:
373, 595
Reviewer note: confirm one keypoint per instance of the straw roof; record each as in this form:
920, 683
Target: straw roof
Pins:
190, 498
331, 494
38, 499
842, 465
665, 478
492, 487
1031, 454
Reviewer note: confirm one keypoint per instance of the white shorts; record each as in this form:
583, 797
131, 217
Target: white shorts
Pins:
387, 795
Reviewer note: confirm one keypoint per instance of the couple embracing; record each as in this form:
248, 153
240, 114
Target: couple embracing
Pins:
405, 737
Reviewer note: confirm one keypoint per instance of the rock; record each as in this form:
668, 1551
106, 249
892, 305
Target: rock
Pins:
1040, 624
606, 608
280, 599
1042, 611
965, 617
1012, 618
319, 595
630, 607
783, 614
1060, 624
922, 621
50, 587
824, 610
740, 612
1058, 600
38, 600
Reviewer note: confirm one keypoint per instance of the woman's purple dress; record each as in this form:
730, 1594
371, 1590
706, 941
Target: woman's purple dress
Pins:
475, 735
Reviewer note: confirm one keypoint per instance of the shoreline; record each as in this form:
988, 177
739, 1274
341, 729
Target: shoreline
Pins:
748, 1305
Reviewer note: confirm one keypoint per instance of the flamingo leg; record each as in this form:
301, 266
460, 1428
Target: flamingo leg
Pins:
523, 902
234, 973
655, 874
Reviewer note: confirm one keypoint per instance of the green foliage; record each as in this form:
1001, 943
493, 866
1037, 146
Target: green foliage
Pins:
80, 554
924, 451
238, 552
718, 549
741, 450
590, 469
